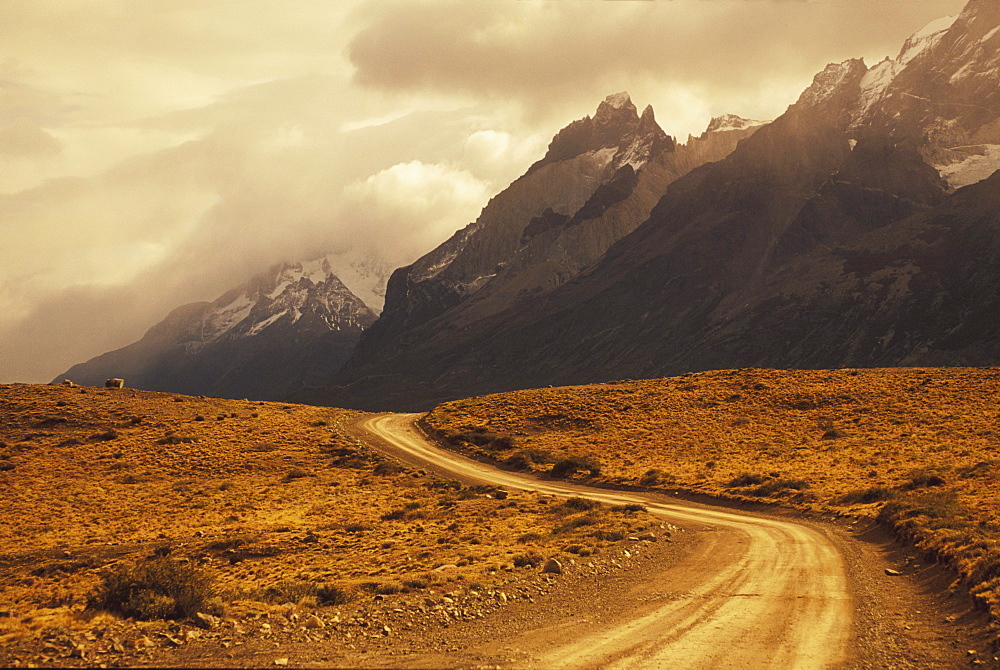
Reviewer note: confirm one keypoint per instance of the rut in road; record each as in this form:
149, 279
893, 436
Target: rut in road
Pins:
759, 592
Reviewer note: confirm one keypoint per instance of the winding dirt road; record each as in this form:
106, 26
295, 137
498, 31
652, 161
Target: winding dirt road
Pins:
755, 593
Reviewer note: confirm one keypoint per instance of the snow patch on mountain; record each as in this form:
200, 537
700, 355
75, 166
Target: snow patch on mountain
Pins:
924, 38
727, 122
878, 79
619, 100
828, 82
973, 169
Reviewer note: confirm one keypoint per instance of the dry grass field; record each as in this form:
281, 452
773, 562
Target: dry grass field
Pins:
918, 448
229, 523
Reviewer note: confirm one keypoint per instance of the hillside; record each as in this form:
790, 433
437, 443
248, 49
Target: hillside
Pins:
292, 530
915, 448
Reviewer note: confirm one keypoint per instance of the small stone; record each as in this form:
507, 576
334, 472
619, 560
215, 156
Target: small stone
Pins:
648, 537
500, 494
893, 573
386, 631
552, 566
206, 621
281, 661
314, 622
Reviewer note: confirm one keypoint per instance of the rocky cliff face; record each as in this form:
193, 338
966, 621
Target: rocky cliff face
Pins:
290, 327
860, 228
599, 179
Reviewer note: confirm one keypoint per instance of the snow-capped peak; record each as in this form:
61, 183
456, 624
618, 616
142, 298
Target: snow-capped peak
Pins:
618, 100
283, 295
924, 38
830, 80
731, 122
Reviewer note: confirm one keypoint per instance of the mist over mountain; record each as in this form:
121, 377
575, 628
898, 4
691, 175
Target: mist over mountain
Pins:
599, 179
290, 327
859, 228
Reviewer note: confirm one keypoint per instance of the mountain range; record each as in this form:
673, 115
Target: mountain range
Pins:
857, 229
860, 228
290, 327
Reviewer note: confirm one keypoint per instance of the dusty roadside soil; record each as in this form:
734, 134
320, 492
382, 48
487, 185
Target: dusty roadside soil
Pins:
481, 614
275, 502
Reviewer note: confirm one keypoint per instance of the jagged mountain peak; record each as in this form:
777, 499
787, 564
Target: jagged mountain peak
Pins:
615, 124
835, 78
617, 109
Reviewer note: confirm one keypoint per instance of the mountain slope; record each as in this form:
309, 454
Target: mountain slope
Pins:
598, 181
287, 328
833, 236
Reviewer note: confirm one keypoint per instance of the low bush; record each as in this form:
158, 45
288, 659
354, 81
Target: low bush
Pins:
568, 467
777, 486
921, 480
159, 588
532, 558
747, 479
629, 507
581, 504
867, 496
652, 477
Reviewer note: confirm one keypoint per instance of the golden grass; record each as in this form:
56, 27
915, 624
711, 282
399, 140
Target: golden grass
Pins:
274, 500
917, 446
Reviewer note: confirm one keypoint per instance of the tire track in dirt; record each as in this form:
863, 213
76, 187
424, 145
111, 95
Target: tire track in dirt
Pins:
764, 593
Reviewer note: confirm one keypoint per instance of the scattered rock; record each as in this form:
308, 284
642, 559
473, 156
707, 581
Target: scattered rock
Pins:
206, 621
281, 661
500, 494
552, 566
648, 537
314, 622
893, 573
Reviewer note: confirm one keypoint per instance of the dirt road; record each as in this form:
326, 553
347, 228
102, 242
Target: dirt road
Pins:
757, 593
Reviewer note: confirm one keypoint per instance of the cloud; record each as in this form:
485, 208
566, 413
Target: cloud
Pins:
25, 139
413, 201
556, 56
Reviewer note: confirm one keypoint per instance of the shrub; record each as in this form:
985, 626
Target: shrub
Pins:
921, 480
394, 515
106, 436
175, 439
629, 507
517, 462
356, 528
292, 591
774, 486
532, 558
581, 504
747, 479
608, 535
385, 468
568, 467
159, 588
389, 588
296, 473
529, 537
866, 496
416, 583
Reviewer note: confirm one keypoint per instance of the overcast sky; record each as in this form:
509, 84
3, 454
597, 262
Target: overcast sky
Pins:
159, 152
